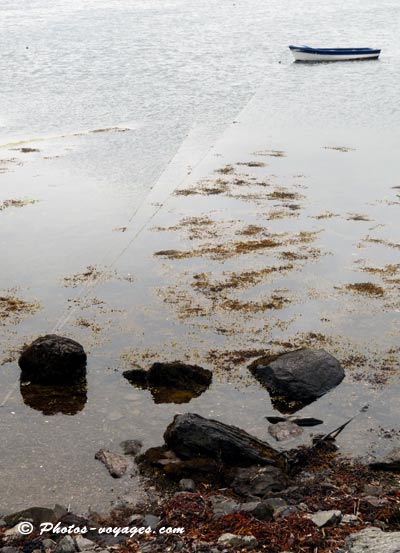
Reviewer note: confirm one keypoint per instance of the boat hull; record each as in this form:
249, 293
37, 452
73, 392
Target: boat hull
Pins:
305, 53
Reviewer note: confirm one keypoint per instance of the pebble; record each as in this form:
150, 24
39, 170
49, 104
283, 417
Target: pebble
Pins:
66, 545
152, 521
187, 485
324, 518
233, 540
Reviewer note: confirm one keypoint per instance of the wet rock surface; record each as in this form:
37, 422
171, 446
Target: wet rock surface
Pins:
174, 382
53, 359
302, 375
191, 435
117, 465
373, 540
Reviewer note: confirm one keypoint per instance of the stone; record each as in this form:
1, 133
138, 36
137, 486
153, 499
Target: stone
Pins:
389, 462
83, 544
9, 549
152, 521
116, 464
191, 435
53, 359
300, 375
350, 519
187, 485
36, 515
131, 447
326, 518
286, 511
234, 540
283, 431
258, 481
258, 509
222, 505
373, 540
66, 545
49, 544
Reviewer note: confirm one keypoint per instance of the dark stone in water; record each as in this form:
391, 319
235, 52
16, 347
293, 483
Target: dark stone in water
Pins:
53, 360
302, 375
191, 435
171, 382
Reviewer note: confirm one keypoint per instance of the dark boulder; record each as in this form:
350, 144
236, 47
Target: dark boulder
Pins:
53, 360
191, 435
302, 375
174, 382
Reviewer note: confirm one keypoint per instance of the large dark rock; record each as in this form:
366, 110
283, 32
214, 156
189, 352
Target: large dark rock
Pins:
53, 359
174, 382
302, 375
191, 435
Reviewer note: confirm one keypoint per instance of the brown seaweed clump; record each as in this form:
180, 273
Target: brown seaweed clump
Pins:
366, 288
12, 308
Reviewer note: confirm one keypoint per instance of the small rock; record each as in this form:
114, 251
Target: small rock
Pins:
152, 521
286, 511
233, 540
187, 485
222, 505
259, 509
389, 462
53, 359
257, 481
350, 519
285, 431
9, 549
370, 489
373, 540
66, 545
116, 464
131, 447
13, 532
325, 518
83, 544
275, 503
375, 501
49, 544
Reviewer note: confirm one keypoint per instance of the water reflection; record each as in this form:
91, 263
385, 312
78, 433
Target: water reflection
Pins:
53, 400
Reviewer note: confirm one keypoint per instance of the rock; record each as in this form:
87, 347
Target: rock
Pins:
222, 505
191, 435
53, 359
152, 521
171, 382
350, 519
83, 544
234, 540
390, 462
116, 464
300, 375
286, 511
131, 447
325, 518
285, 431
9, 549
187, 485
374, 501
258, 481
49, 544
200, 469
36, 515
258, 509
66, 545
373, 540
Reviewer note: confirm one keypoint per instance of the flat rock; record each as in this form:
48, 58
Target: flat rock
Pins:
191, 435
389, 462
326, 518
116, 465
53, 359
283, 431
234, 540
300, 375
258, 481
373, 540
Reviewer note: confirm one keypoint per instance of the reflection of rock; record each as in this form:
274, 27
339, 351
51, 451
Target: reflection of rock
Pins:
302, 375
171, 382
51, 400
53, 359
191, 436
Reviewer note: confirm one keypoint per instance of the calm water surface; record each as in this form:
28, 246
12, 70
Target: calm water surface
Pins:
173, 76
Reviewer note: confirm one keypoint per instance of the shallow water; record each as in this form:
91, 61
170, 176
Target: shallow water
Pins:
176, 75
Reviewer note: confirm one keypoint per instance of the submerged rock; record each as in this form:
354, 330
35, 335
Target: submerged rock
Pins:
53, 360
302, 375
283, 431
117, 465
51, 400
373, 540
389, 462
171, 382
191, 435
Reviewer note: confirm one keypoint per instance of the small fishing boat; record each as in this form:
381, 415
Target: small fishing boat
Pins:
306, 53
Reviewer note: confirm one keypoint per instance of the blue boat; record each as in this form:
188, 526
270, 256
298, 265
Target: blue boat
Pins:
306, 53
